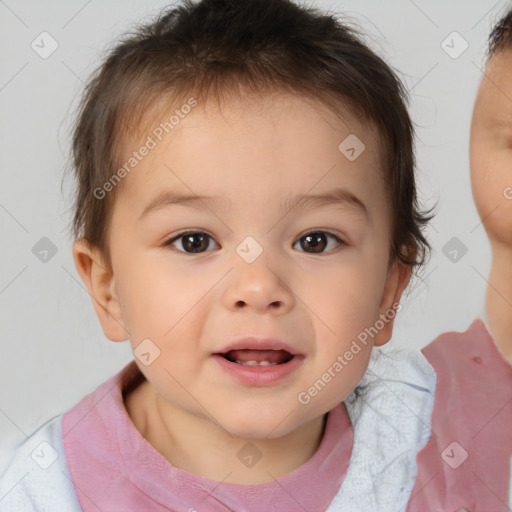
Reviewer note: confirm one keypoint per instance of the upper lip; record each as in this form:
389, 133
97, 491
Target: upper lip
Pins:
256, 343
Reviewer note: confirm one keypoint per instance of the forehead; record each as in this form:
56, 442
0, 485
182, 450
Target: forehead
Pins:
249, 146
495, 92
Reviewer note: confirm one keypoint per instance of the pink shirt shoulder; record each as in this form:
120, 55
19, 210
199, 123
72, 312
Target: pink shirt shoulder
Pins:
466, 463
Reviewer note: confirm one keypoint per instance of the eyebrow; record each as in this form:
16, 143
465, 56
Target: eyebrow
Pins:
336, 196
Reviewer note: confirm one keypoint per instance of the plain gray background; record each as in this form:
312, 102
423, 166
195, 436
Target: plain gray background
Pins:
53, 349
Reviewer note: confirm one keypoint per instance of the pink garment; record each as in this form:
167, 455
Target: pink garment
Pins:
115, 469
466, 463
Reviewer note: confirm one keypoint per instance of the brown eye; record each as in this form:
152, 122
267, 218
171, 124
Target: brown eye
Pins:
191, 242
317, 241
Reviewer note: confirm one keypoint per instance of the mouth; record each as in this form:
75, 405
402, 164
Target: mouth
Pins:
252, 357
259, 367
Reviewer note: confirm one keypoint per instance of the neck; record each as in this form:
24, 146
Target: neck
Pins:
201, 447
499, 300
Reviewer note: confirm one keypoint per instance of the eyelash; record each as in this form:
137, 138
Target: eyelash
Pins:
170, 241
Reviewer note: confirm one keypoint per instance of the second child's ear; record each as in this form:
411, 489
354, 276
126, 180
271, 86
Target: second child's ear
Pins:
100, 283
398, 277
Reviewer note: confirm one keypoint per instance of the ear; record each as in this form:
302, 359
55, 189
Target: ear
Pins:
397, 279
100, 283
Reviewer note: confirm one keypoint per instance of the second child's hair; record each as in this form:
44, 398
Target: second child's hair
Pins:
501, 35
216, 48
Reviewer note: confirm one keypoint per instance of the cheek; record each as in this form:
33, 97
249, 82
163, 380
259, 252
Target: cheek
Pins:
339, 378
153, 305
165, 306
345, 315
491, 182
350, 290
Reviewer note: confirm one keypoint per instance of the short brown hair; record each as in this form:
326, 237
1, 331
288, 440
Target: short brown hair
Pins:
500, 38
213, 48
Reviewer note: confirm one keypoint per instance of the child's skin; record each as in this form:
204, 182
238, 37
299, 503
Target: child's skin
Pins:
252, 156
491, 175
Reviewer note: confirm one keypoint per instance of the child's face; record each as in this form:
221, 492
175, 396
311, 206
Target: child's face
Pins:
313, 294
491, 149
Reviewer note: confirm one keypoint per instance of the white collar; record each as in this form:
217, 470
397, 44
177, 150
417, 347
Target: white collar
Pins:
390, 411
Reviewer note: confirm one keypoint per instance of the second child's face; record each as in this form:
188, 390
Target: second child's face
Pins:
491, 149
313, 277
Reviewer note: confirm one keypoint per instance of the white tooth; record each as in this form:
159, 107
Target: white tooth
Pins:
255, 363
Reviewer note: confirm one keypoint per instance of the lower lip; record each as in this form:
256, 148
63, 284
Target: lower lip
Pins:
259, 375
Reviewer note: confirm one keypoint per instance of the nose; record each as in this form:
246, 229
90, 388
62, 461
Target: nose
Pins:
258, 287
